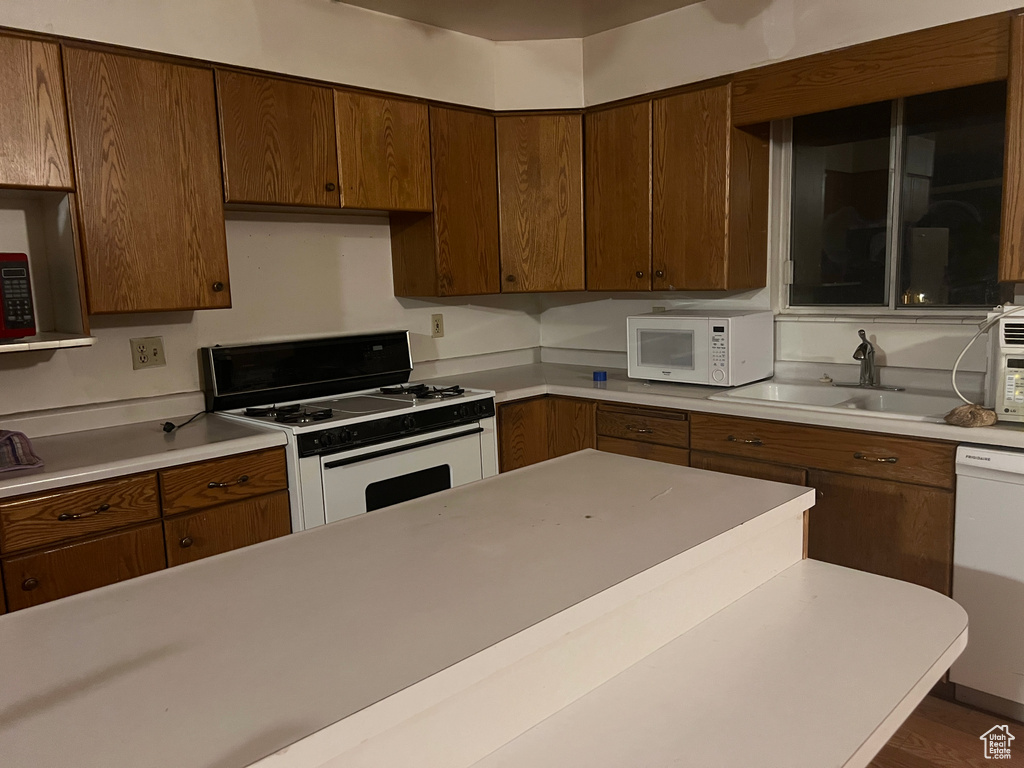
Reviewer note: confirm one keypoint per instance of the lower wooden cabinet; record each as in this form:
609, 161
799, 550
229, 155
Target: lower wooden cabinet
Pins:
893, 529
227, 527
39, 577
761, 470
543, 428
640, 450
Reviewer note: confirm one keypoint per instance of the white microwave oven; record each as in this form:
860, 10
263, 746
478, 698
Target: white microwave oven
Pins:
717, 348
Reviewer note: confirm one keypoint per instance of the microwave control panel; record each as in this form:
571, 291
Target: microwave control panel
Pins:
17, 315
1010, 405
719, 354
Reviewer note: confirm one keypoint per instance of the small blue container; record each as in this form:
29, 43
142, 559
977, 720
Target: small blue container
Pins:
600, 375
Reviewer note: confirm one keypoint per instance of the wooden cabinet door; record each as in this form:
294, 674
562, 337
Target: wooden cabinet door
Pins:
150, 195
383, 151
465, 173
278, 141
650, 451
208, 483
1011, 241
227, 527
540, 191
571, 425
43, 576
710, 209
893, 529
691, 189
618, 198
34, 149
762, 470
522, 433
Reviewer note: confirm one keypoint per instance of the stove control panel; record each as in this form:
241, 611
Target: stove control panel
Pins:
337, 439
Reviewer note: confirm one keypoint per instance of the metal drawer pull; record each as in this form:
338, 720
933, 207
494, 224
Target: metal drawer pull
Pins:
881, 459
753, 441
639, 430
240, 481
80, 515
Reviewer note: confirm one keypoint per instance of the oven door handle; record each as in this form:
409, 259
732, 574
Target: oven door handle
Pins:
399, 449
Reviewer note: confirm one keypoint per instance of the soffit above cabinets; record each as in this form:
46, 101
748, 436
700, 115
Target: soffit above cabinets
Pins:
524, 19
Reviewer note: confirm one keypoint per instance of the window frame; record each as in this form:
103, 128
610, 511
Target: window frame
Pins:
780, 218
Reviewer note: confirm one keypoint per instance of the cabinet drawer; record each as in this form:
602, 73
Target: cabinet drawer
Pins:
760, 470
43, 576
196, 486
231, 526
46, 518
856, 453
644, 426
651, 451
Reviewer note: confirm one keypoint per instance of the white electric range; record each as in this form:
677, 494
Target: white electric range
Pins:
359, 436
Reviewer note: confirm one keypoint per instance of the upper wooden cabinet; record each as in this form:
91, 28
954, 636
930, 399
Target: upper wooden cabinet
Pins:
144, 135
618, 201
1011, 241
710, 210
34, 148
383, 151
540, 191
278, 140
453, 252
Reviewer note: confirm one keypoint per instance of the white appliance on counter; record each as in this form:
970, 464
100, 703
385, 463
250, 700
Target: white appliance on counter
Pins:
1005, 381
359, 437
988, 577
713, 347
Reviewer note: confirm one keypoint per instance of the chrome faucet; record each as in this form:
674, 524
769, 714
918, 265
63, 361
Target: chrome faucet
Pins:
865, 352
869, 374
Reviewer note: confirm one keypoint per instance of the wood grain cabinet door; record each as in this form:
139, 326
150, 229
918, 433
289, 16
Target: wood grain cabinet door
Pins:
34, 149
761, 470
279, 141
465, 172
540, 192
227, 527
150, 195
1011, 241
571, 425
710, 208
893, 529
522, 433
618, 198
383, 152
67, 570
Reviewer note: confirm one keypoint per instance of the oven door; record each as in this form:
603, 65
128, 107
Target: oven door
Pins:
381, 475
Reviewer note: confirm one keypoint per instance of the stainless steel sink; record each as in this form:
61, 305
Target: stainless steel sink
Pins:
909, 404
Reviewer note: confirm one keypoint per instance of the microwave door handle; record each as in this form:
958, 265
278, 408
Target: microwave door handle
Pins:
399, 449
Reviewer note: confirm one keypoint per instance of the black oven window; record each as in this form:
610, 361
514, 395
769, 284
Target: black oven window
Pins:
395, 490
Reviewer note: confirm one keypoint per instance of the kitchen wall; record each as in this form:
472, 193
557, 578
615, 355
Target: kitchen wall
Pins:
290, 276
327, 41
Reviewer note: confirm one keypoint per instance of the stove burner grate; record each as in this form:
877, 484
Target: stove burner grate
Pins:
299, 415
423, 392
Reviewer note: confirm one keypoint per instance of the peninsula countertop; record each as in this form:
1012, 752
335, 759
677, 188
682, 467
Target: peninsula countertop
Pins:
99, 454
523, 381
220, 662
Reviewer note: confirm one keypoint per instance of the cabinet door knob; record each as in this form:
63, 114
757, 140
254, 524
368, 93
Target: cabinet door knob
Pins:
660, 273
218, 287
330, 186
186, 542
639, 273
29, 584
510, 278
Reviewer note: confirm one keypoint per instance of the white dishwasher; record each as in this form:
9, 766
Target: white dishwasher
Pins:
988, 577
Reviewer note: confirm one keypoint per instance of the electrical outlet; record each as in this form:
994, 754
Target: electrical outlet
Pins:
148, 352
436, 326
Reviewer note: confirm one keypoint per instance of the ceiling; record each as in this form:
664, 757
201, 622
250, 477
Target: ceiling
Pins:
524, 19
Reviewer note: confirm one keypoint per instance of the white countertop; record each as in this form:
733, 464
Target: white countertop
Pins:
98, 454
524, 381
220, 662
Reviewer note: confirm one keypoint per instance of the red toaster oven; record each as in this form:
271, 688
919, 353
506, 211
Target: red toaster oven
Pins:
17, 315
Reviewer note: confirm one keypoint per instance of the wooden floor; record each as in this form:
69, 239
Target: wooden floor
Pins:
941, 734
